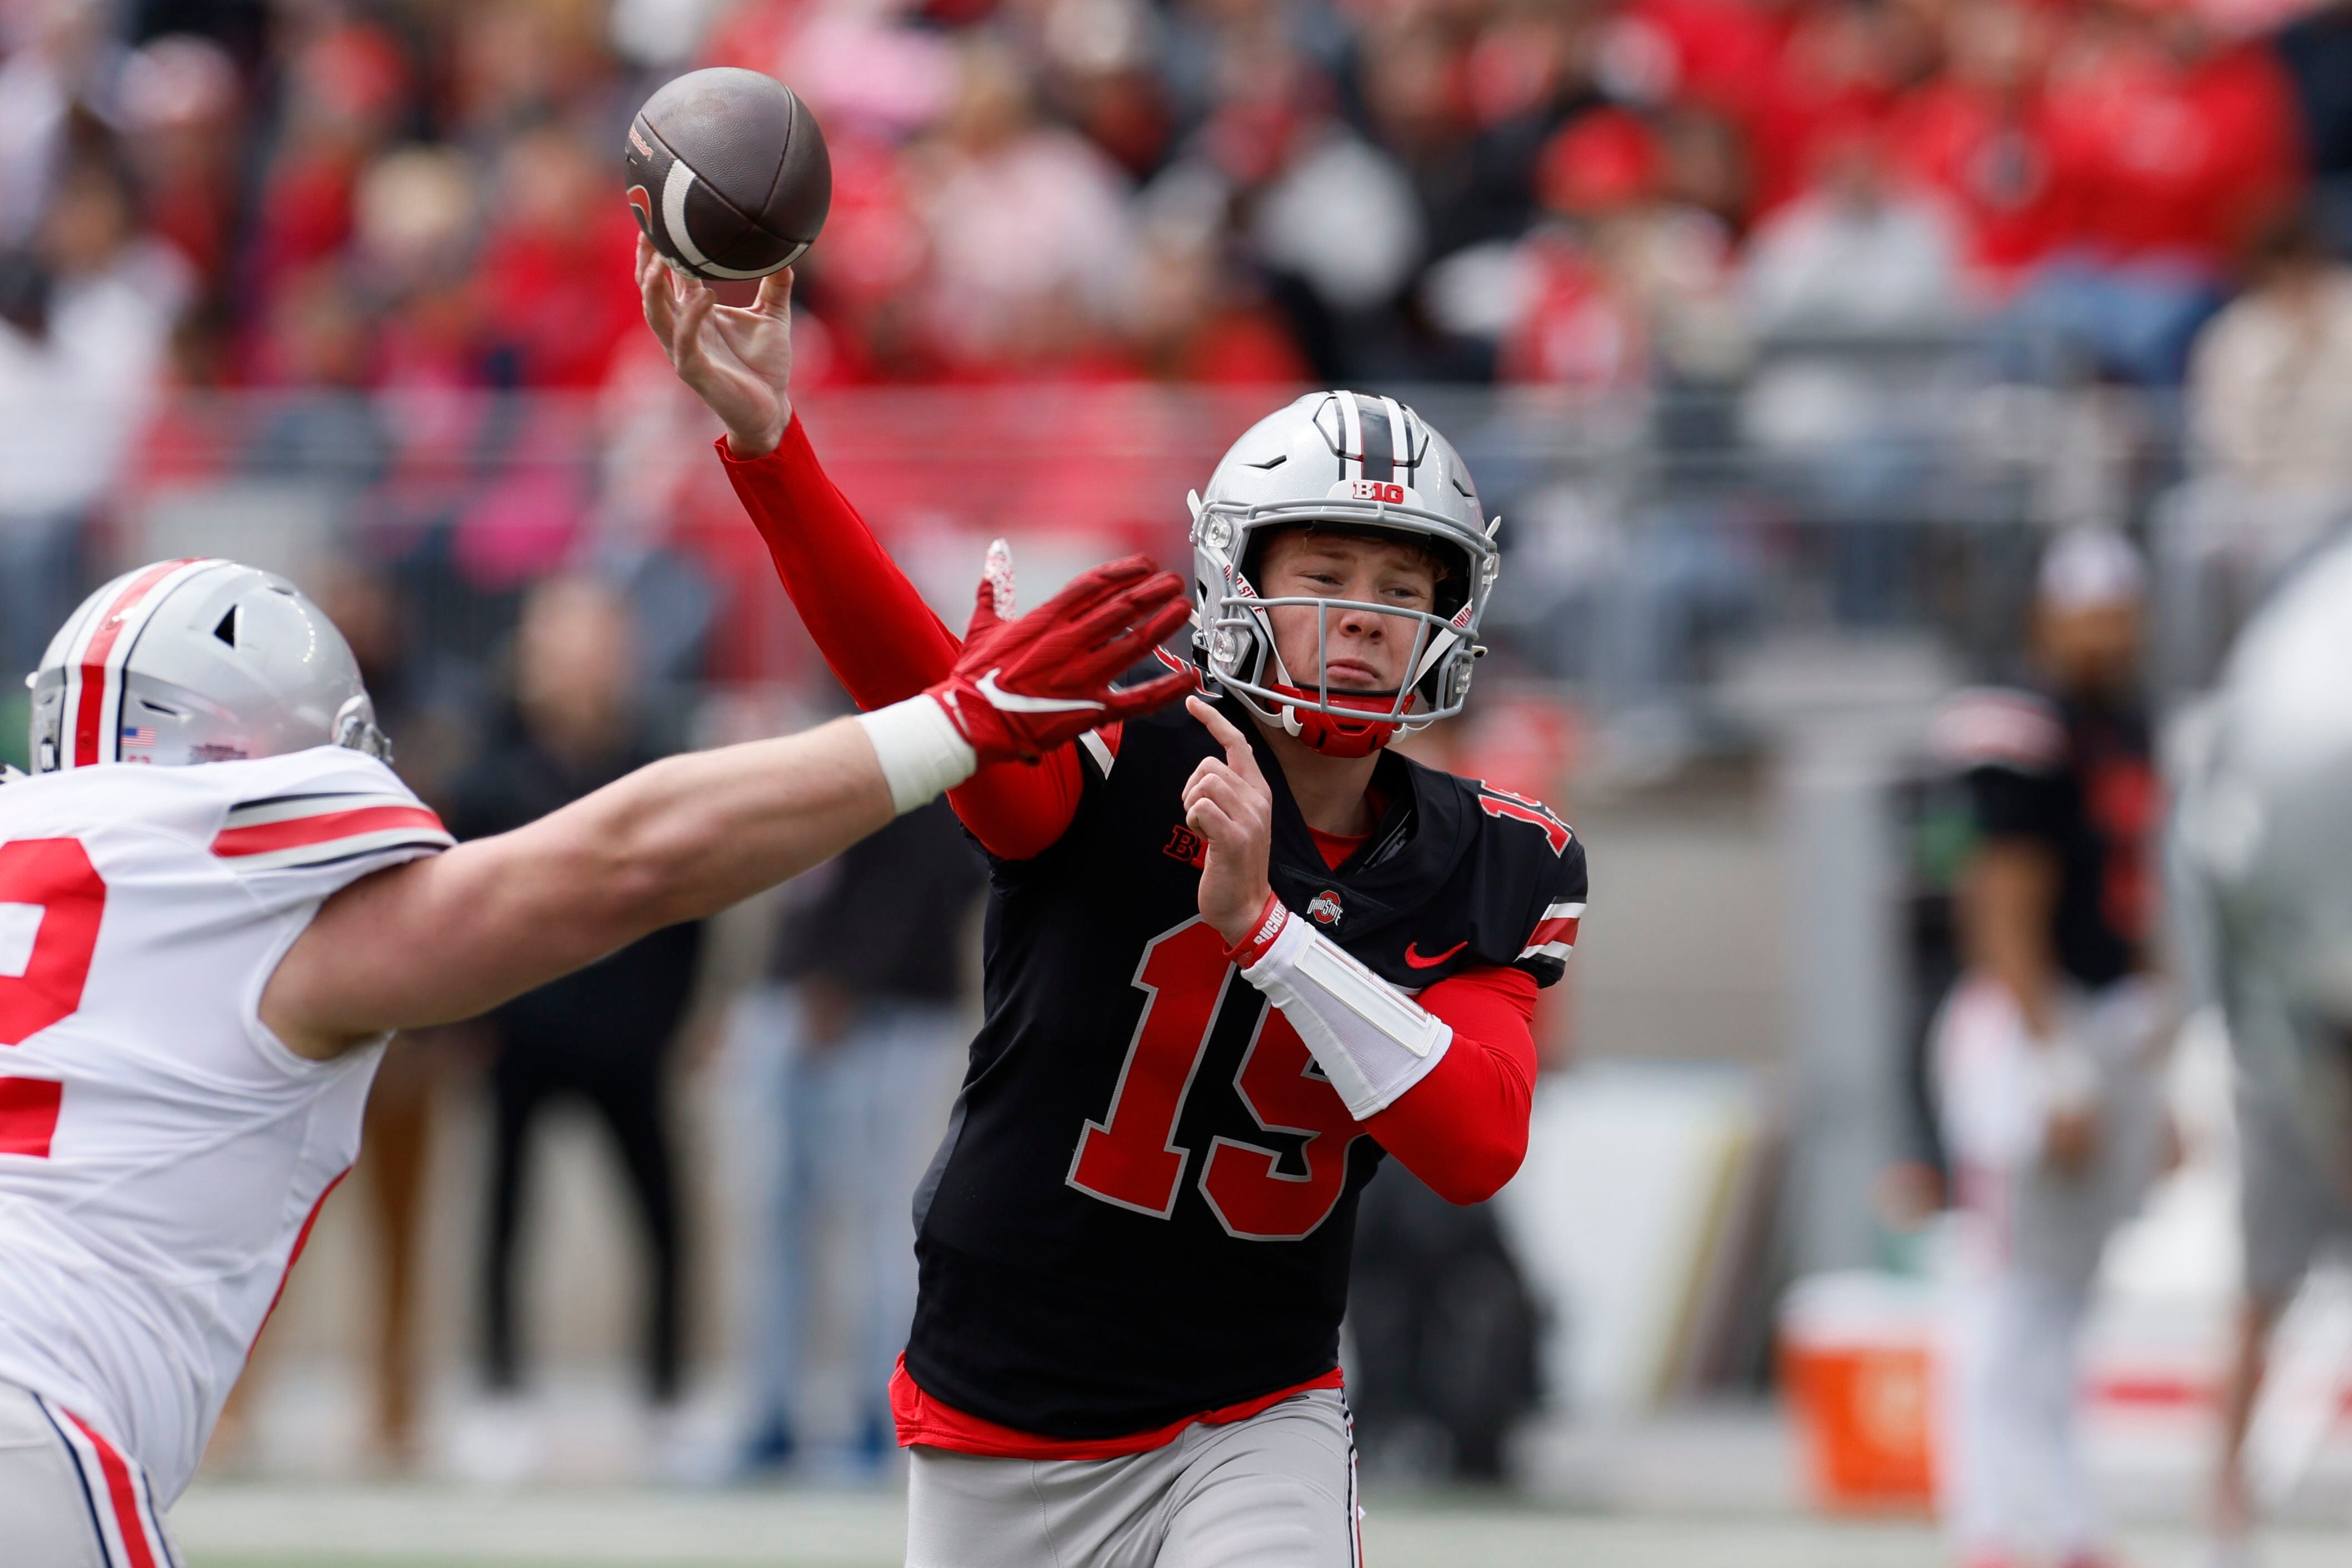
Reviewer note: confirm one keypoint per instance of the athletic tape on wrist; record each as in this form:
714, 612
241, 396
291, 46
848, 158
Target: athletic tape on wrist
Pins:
920, 750
1372, 1040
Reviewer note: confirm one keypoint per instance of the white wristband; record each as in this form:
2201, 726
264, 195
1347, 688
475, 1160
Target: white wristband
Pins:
919, 749
1372, 1040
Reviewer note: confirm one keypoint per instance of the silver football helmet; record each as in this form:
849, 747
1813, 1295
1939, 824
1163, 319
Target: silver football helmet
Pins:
197, 661
1356, 462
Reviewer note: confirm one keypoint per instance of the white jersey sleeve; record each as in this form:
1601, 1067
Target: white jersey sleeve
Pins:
314, 822
161, 1153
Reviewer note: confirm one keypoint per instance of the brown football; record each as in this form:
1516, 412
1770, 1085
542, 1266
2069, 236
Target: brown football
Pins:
728, 174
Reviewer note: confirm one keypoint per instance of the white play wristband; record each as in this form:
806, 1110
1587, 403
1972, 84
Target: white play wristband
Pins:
1372, 1042
919, 749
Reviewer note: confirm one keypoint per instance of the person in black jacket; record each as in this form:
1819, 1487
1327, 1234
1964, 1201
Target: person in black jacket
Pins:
866, 1008
602, 1035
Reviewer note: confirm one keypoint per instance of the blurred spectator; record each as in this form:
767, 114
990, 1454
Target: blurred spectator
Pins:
2047, 1051
1857, 254
1979, 135
2316, 50
86, 318
2269, 400
858, 1034
1853, 291
602, 1035
2172, 146
1623, 283
1029, 228
2270, 383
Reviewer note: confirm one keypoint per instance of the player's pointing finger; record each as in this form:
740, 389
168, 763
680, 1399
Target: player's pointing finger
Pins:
1220, 729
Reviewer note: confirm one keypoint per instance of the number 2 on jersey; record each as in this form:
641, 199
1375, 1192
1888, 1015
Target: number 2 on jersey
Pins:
1131, 1158
51, 902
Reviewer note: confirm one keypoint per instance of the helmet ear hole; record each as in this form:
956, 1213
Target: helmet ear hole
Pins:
227, 630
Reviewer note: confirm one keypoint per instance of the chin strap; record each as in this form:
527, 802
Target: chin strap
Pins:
1327, 734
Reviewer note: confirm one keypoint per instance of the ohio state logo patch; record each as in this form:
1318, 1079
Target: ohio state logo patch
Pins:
1324, 908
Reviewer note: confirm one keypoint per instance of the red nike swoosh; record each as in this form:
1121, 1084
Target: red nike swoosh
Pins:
1412, 955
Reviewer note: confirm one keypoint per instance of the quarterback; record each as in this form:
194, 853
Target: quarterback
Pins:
217, 900
1237, 953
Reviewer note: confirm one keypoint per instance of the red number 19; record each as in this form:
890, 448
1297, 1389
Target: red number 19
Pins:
1131, 1158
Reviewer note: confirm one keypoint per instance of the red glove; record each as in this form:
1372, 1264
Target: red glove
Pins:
1022, 688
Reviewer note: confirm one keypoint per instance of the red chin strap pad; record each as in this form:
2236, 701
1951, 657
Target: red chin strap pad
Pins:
1332, 736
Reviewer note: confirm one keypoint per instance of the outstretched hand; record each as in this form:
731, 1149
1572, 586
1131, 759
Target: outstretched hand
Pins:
1229, 804
737, 359
1020, 688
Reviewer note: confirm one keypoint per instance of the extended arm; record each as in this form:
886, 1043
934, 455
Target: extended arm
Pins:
447, 938
454, 936
880, 638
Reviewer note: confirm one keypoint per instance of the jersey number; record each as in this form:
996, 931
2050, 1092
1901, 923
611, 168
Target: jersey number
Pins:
1131, 1158
51, 901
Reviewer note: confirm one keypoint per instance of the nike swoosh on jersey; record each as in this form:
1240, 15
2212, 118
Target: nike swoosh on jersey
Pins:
1412, 955
1014, 701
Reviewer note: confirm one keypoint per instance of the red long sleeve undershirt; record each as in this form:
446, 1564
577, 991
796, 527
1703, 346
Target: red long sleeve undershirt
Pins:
1462, 1129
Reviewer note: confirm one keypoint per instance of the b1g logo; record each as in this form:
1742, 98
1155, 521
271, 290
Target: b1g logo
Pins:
1324, 908
1376, 490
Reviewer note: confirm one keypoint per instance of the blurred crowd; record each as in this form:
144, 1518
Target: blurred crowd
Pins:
1588, 192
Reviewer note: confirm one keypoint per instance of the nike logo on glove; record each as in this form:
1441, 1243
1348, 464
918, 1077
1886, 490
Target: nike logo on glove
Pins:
1412, 955
1014, 701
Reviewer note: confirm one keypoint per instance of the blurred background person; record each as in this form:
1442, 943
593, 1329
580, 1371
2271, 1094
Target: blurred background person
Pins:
87, 310
603, 1036
857, 1038
2047, 1048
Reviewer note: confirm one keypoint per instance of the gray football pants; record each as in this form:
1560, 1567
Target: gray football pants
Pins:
1277, 1491
68, 1499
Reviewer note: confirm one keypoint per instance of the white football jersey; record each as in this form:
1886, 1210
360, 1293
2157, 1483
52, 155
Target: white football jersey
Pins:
161, 1154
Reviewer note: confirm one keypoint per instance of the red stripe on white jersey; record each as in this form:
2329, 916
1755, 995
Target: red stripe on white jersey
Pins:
93, 739
407, 822
130, 1535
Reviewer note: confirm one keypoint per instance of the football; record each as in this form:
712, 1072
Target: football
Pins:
728, 174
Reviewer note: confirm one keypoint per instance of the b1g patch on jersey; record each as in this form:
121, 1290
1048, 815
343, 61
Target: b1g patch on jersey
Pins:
1185, 844
1324, 908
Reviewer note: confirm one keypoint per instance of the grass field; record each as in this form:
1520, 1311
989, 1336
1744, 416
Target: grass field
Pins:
432, 1527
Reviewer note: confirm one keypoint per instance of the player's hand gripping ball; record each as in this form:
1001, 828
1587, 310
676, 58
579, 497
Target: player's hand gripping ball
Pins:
1023, 687
728, 175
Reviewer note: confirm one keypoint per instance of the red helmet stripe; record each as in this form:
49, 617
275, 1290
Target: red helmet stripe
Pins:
90, 713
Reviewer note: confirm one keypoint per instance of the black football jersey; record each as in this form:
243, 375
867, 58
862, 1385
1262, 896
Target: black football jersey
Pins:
1144, 1204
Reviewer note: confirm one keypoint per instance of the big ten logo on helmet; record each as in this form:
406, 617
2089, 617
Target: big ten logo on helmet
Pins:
1375, 490
1324, 908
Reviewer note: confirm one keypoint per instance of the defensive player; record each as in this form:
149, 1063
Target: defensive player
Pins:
1234, 953
216, 899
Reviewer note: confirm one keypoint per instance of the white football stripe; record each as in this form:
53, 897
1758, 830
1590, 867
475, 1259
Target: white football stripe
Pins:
342, 849
1548, 950
1564, 910
257, 813
674, 190
1097, 747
